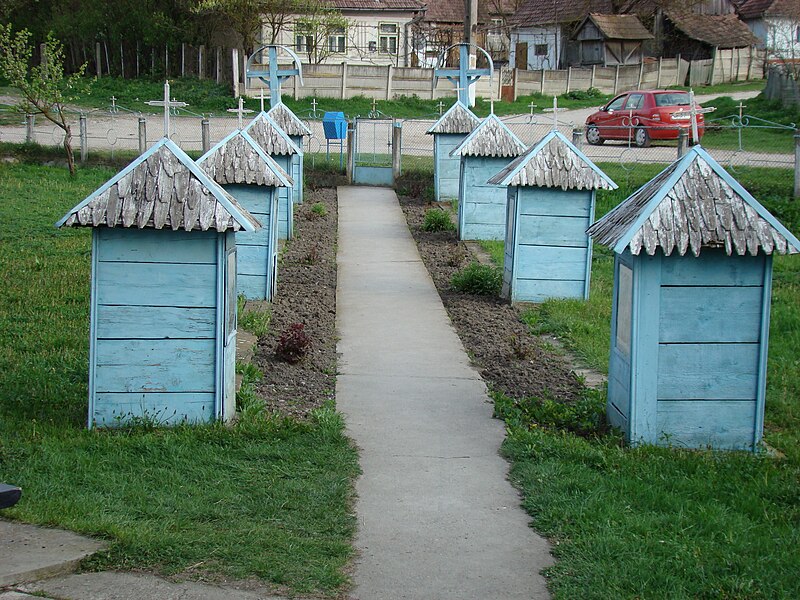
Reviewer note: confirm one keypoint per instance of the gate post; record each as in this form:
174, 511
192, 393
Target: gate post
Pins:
577, 137
397, 136
84, 139
142, 135
351, 154
205, 134
29, 122
683, 141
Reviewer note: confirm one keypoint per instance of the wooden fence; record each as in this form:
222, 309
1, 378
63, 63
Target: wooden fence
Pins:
783, 85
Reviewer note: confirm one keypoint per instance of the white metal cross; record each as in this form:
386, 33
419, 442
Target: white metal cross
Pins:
555, 110
167, 104
240, 111
261, 99
693, 112
532, 106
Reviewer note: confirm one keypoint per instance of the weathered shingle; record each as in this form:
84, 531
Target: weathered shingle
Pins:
555, 163
239, 159
457, 119
723, 31
162, 189
287, 120
619, 27
272, 139
538, 12
490, 138
693, 204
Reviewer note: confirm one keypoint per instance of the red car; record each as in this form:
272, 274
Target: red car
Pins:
643, 116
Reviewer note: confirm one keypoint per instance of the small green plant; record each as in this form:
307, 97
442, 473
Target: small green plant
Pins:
584, 417
437, 220
294, 344
480, 279
312, 256
318, 210
253, 317
583, 94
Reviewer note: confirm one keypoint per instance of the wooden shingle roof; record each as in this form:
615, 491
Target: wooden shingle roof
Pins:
693, 204
162, 189
457, 119
490, 138
619, 27
554, 162
722, 31
287, 120
237, 158
756, 9
377, 5
274, 140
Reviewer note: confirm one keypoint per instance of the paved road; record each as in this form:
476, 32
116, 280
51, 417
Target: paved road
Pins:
437, 517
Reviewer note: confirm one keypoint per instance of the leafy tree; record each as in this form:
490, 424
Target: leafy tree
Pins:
45, 89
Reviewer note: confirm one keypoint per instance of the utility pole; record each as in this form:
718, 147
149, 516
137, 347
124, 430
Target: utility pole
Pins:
470, 37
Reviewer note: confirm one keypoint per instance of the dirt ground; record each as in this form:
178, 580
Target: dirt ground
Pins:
508, 357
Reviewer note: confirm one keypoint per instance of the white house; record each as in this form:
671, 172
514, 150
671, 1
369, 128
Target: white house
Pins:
777, 24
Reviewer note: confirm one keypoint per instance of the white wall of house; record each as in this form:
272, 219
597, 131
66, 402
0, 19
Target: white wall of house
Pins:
380, 39
544, 46
783, 37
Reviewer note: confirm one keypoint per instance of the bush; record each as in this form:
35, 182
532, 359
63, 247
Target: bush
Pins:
437, 220
294, 344
583, 94
480, 279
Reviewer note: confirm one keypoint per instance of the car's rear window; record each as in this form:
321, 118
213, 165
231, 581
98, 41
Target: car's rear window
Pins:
672, 99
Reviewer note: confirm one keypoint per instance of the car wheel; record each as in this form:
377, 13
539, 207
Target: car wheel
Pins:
593, 135
642, 138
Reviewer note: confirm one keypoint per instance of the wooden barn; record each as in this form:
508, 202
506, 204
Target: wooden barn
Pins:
291, 124
448, 132
162, 342
245, 171
551, 197
690, 325
482, 205
278, 145
610, 40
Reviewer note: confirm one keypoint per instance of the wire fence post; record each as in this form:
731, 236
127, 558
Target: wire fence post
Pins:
683, 142
351, 146
797, 164
30, 121
142, 135
577, 137
84, 139
397, 137
205, 134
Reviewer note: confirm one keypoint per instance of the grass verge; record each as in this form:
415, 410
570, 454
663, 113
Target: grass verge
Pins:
267, 498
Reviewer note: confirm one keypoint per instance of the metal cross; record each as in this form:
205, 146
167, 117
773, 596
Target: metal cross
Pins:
261, 99
532, 106
113, 105
693, 112
313, 107
274, 75
240, 111
463, 77
555, 110
741, 108
167, 104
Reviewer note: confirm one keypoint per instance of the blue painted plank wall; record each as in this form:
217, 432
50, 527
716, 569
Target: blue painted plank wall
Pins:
257, 251
154, 321
285, 202
481, 205
297, 170
446, 167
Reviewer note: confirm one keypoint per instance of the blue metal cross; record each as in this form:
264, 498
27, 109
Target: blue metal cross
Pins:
463, 77
274, 75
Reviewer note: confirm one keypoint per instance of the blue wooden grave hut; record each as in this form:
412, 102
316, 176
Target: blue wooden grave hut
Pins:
448, 132
481, 205
551, 196
692, 281
162, 342
291, 124
278, 145
245, 171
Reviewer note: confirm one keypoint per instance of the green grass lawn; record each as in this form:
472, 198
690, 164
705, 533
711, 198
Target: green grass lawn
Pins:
268, 498
770, 127
665, 523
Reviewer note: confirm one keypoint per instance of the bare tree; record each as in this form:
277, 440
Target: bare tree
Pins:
45, 89
316, 24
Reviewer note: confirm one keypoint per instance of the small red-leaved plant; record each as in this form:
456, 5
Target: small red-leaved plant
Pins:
294, 344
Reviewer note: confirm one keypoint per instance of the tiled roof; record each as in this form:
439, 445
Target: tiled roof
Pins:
755, 9
722, 31
162, 189
693, 204
377, 5
457, 119
270, 137
490, 138
619, 27
239, 159
548, 12
453, 11
554, 162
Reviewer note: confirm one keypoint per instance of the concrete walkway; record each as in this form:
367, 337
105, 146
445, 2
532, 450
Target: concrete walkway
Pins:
437, 517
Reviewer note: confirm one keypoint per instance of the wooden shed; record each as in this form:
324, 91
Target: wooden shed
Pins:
162, 341
610, 40
291, 124
690, 325
448, 132
482, 205
245, 171
278, 145
551, 197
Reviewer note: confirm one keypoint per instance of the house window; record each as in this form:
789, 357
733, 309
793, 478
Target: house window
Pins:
496, 29
303, 40
797, 35
540, 49
388, 35
336, 40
